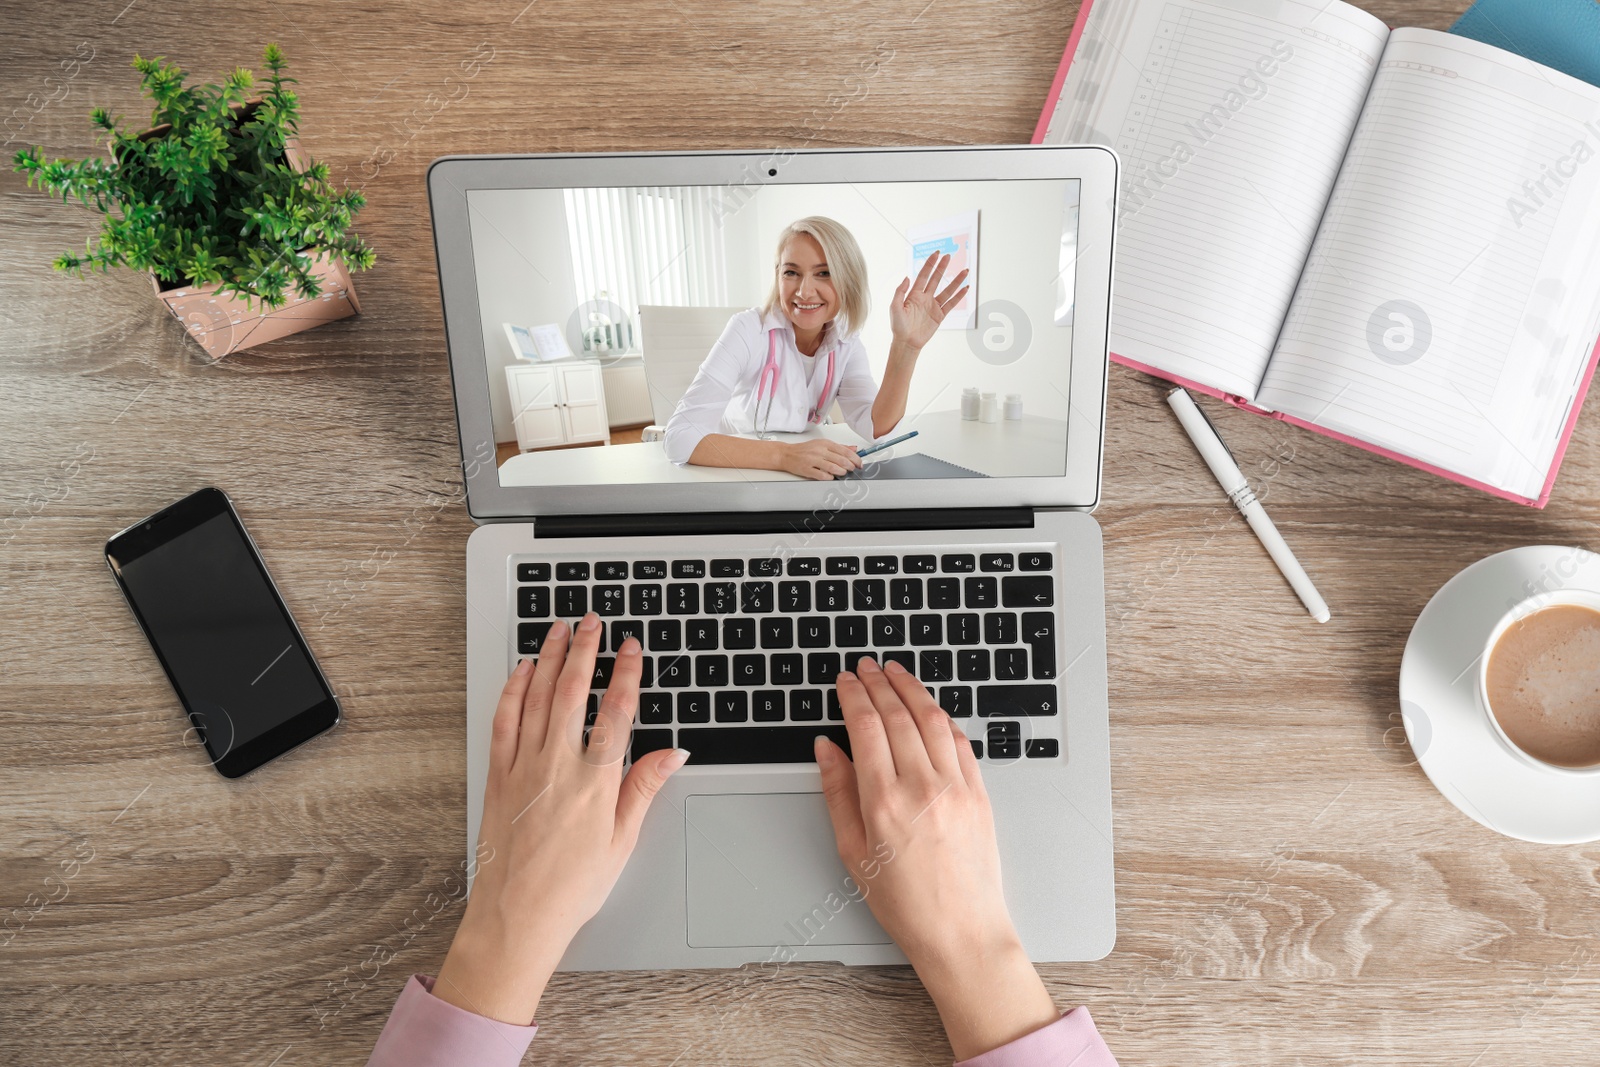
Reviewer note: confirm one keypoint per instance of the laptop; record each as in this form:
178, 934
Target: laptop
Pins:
664, 285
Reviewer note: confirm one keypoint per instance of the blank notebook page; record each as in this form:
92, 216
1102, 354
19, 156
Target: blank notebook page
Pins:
1438, 218
1231, 119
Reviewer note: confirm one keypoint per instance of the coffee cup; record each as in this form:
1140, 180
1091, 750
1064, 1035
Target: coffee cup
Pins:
1544, 663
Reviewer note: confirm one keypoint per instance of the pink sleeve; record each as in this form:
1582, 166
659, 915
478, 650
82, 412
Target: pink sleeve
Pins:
1070, 1041
424, 1031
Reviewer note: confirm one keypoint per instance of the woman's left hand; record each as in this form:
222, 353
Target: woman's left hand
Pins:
920, 306
559, 821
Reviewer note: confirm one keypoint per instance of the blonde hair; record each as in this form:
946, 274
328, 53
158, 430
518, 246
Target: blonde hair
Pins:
847, 269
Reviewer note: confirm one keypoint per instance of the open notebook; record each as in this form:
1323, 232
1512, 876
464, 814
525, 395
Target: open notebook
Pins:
1392, 238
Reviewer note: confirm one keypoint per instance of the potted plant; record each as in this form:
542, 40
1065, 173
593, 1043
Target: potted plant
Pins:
241, 232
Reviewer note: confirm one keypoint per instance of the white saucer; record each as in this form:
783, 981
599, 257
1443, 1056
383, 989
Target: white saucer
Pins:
1444, 719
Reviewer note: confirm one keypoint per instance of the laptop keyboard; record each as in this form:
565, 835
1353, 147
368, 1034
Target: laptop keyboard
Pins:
740, 654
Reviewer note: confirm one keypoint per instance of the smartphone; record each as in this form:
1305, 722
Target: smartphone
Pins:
239, 664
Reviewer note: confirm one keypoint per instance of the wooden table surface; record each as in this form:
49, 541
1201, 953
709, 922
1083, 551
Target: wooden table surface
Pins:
1291, 889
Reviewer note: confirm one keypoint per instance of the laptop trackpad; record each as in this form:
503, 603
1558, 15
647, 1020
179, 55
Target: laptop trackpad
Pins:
764, 871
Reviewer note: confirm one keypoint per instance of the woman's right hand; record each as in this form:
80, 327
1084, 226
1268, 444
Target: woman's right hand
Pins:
820, 459
915, 831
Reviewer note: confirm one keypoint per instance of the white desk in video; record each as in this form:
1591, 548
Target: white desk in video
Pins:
1032, 446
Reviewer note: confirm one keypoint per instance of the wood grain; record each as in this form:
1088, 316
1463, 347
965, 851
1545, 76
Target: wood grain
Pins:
1291, 889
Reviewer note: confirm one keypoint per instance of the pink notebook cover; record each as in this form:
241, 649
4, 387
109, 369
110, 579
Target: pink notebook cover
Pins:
1242, 404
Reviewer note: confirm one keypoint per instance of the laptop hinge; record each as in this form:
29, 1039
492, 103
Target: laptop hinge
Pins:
783, 522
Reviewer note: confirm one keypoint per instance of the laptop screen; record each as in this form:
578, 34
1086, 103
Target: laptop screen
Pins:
707, 334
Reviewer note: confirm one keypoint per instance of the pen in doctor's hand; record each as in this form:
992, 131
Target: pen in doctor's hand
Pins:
887, 444
1233, 482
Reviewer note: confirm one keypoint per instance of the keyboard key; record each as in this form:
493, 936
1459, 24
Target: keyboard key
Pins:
758, 744
927, 630
688, 568
608, 600
738, 633
1034, 561
696, 707
1028, 591
888, 631
961, 628
788, 668
766, 568
822, 668
533, 602
981, 592
905, 594
814, 632
727, 568
733, 706
956, 700
1039, 632
1017, 700
610, 571
1042, 748
655, 708
711, 672
623, 629
722, 598
644, 600
850, 631
683, 598
936, 665
649, 570
833, 596
944, 592
871, 594
572, 572
958, 563
883, 564
572, 601
805, 705
844, 565
903, 656
755, 598
805, 565
794, 598
700, 635
1010, 664
921, 564
750, 670
664, 635
972, 665
530, 637
997, 561
853, 658
646, 741
672, 672
533, 572
603, 666
777, 632
1005, 740
766, 705
1000, 628
977, 748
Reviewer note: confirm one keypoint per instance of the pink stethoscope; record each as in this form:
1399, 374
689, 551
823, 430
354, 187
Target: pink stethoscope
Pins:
771, 367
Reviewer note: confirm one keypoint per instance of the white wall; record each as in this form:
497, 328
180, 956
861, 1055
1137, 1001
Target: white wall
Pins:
1019, 232
524, 265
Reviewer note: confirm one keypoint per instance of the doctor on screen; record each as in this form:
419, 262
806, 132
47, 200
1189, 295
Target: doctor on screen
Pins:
779, 368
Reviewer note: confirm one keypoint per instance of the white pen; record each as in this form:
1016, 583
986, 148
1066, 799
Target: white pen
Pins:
1233, 482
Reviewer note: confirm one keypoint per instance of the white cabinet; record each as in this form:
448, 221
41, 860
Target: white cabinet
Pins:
557, 403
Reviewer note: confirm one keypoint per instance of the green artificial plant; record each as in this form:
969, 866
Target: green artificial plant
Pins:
208, 195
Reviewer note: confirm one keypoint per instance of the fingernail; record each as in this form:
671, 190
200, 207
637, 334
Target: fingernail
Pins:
843, 675
630, 647
557, 629
824, 751
673, 760
523, 666
894, 667
590, 622
866, 666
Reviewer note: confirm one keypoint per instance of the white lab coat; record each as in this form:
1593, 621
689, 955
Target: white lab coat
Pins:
722, 397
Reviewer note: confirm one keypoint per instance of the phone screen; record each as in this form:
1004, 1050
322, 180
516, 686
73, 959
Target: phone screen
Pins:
225, 638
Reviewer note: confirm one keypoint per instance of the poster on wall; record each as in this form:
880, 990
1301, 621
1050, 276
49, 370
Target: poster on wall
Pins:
956, 236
